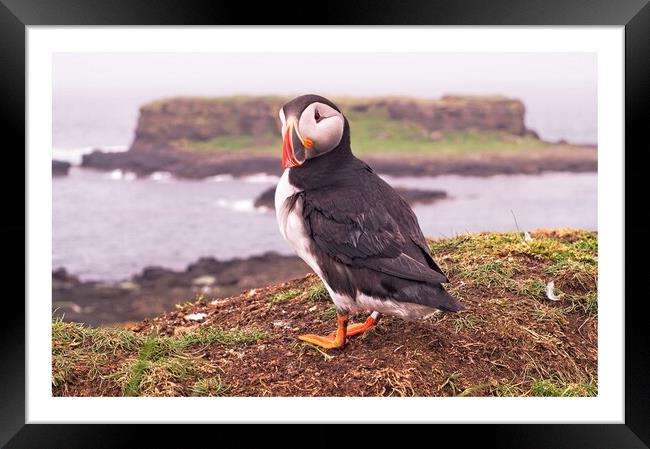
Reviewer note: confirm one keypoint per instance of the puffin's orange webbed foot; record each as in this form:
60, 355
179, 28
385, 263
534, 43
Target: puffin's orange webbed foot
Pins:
326, 342
333, 341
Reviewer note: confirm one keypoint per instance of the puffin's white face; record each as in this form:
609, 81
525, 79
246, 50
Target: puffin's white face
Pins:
318, 130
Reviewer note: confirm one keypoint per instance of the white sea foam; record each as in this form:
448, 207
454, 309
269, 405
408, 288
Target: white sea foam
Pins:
74, 155
119, 175
246, 205
220, 178
259, 178
161, 176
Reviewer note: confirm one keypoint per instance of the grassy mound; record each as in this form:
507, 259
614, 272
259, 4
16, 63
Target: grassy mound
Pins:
451, 125
383, 136
512, 340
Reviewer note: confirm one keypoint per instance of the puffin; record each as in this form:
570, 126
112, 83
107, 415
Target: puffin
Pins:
353, 230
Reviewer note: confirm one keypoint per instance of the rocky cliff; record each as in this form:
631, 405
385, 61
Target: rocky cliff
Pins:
452, 112
165, 123
477, 136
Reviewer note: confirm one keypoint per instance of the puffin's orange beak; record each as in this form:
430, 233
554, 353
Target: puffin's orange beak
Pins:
294, 147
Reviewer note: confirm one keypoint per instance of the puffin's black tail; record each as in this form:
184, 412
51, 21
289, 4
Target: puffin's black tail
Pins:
444, 301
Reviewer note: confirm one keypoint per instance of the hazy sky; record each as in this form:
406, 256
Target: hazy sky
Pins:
105, 89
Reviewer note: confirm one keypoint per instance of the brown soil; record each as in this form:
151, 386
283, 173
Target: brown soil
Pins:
423, 358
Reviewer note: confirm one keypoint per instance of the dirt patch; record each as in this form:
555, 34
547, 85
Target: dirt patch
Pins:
512, 340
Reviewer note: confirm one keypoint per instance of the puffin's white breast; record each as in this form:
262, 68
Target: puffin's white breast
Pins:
291, 223
283, 191
293, 230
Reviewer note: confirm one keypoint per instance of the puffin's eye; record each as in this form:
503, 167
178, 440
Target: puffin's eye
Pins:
317, 116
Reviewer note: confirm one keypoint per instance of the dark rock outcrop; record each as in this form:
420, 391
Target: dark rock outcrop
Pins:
266, 199
573, 159
412, 196
182, 164
157, 290
163, 124
420, 196
559, 159
453, 112
60, 168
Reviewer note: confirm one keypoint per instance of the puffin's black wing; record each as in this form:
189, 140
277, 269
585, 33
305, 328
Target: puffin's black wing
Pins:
370, 226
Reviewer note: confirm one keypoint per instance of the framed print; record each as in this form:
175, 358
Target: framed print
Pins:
405, 213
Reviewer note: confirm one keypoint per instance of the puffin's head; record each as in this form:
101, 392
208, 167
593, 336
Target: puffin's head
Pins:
311, 126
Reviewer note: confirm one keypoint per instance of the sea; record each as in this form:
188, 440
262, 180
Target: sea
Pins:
110, 225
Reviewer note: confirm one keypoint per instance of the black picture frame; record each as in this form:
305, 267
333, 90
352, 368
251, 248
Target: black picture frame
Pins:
16, 15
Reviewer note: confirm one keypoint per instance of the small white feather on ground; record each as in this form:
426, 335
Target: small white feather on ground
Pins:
550, 291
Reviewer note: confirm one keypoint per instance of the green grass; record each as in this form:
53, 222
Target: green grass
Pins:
508, 264
555, 388
373, 134
587, 303
104, 340
376, 136
489, 273
132, 386
318, 293
330, 313
167, 376
266, 144
379, 135
546, 312
466, 323
532, 288
542, 388
207, 336
154, 365
284, 296
212, 386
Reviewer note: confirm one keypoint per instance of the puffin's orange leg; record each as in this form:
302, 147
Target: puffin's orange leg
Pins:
360, 328
331, 341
